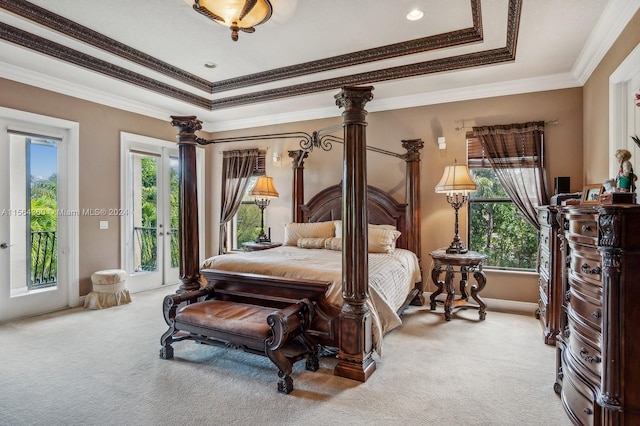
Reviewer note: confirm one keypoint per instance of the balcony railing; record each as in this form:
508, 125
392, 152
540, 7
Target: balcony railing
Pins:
146, 248
44, 259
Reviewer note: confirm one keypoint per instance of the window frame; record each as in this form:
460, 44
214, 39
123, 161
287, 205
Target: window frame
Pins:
232, 230
471, 200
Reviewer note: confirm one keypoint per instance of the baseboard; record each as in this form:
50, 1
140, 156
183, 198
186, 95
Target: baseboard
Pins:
511, 306
502, 305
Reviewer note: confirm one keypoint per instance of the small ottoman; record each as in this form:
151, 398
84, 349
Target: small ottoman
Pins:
108, 289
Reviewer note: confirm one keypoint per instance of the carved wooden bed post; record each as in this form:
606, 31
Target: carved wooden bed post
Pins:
189, 246
412, 157
355, 359
297, 190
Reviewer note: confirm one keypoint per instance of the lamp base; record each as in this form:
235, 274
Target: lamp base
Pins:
263, 238
457, 247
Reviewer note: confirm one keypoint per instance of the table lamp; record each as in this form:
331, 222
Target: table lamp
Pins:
456, 182
262, 193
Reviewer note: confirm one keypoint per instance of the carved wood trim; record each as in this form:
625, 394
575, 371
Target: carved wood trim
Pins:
69, 28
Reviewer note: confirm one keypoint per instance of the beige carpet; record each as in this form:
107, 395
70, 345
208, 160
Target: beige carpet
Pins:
82, 367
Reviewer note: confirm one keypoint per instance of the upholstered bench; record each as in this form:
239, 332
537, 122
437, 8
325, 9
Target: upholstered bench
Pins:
108, 289
276, 333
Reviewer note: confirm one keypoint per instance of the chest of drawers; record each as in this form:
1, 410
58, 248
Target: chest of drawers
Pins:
549, 274
598, 373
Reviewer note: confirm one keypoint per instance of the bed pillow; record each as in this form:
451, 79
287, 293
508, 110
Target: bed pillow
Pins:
338, 225
382, 240
333, 244
311, 243
294, 231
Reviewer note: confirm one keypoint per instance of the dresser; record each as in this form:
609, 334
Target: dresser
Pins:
549, 273
598, 370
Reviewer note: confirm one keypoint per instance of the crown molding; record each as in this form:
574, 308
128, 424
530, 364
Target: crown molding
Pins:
612, 22
506, 88
64, 87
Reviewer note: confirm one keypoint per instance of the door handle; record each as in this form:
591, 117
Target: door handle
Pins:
5, 245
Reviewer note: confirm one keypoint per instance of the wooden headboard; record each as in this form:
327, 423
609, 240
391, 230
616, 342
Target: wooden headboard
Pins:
383, 209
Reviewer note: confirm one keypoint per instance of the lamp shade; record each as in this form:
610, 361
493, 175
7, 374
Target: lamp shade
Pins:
264, 188
241, 13
456, 179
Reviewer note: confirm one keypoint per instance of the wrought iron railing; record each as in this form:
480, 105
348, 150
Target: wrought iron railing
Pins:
146, 248
44, 259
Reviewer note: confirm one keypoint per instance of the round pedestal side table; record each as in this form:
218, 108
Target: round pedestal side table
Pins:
462, 264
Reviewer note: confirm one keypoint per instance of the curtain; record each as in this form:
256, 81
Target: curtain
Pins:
516, 154
237, 167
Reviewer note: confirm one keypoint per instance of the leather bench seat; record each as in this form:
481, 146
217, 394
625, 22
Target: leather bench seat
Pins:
239, 319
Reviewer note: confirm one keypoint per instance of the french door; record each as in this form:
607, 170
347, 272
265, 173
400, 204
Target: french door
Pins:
38, 215
150, 197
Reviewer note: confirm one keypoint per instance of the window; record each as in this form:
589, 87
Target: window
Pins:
245, 225
496, 226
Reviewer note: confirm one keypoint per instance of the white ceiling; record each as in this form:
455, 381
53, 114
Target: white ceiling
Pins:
559, 43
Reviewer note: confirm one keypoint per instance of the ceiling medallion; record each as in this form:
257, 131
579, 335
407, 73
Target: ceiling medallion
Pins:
238, 15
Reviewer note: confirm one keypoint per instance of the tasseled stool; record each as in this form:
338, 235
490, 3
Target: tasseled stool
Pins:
108, 289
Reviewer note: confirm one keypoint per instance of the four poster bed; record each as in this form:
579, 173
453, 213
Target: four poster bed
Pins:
348, 303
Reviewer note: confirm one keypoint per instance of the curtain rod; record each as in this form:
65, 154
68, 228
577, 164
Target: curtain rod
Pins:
470, 128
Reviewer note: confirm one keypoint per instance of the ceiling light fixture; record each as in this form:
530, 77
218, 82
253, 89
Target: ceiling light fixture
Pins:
415, 14
239, 15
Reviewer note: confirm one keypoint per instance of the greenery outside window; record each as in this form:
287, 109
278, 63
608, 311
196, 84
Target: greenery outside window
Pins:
246, 222
497, 227
245, 225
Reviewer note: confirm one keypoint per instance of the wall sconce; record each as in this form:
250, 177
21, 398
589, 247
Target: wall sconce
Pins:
276, 157
456, 182
262, 193
442, 143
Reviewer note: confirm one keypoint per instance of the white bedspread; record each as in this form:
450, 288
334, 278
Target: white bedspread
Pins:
391, 276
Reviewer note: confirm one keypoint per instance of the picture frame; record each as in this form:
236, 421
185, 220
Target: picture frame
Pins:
591, 194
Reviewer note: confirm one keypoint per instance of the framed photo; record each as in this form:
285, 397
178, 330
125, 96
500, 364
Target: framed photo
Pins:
591, 194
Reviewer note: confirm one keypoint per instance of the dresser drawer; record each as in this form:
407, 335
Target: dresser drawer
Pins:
577, 396
585, 263
584, 344
544, 216
586, 303
583, 228
543, 286
544, 262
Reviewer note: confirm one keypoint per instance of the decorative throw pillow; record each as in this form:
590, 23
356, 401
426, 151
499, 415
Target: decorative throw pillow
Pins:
333, 244
382, 240
311, 243
338, 225
294, 231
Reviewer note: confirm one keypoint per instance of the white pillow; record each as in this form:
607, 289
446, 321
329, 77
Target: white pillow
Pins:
338, 225
382, 240
294, 231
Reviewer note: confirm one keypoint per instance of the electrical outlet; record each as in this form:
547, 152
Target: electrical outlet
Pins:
104, 224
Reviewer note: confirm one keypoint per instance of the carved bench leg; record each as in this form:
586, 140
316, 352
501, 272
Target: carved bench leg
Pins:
166, 351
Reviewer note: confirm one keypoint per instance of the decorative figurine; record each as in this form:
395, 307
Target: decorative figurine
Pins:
626, 179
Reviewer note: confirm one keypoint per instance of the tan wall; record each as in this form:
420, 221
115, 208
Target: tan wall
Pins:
100, 128
596, 105
387, 129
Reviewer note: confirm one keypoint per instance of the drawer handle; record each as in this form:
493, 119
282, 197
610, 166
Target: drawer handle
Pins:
586, 228
567, 332
586, 270
589, 358
588, 411
596, 314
